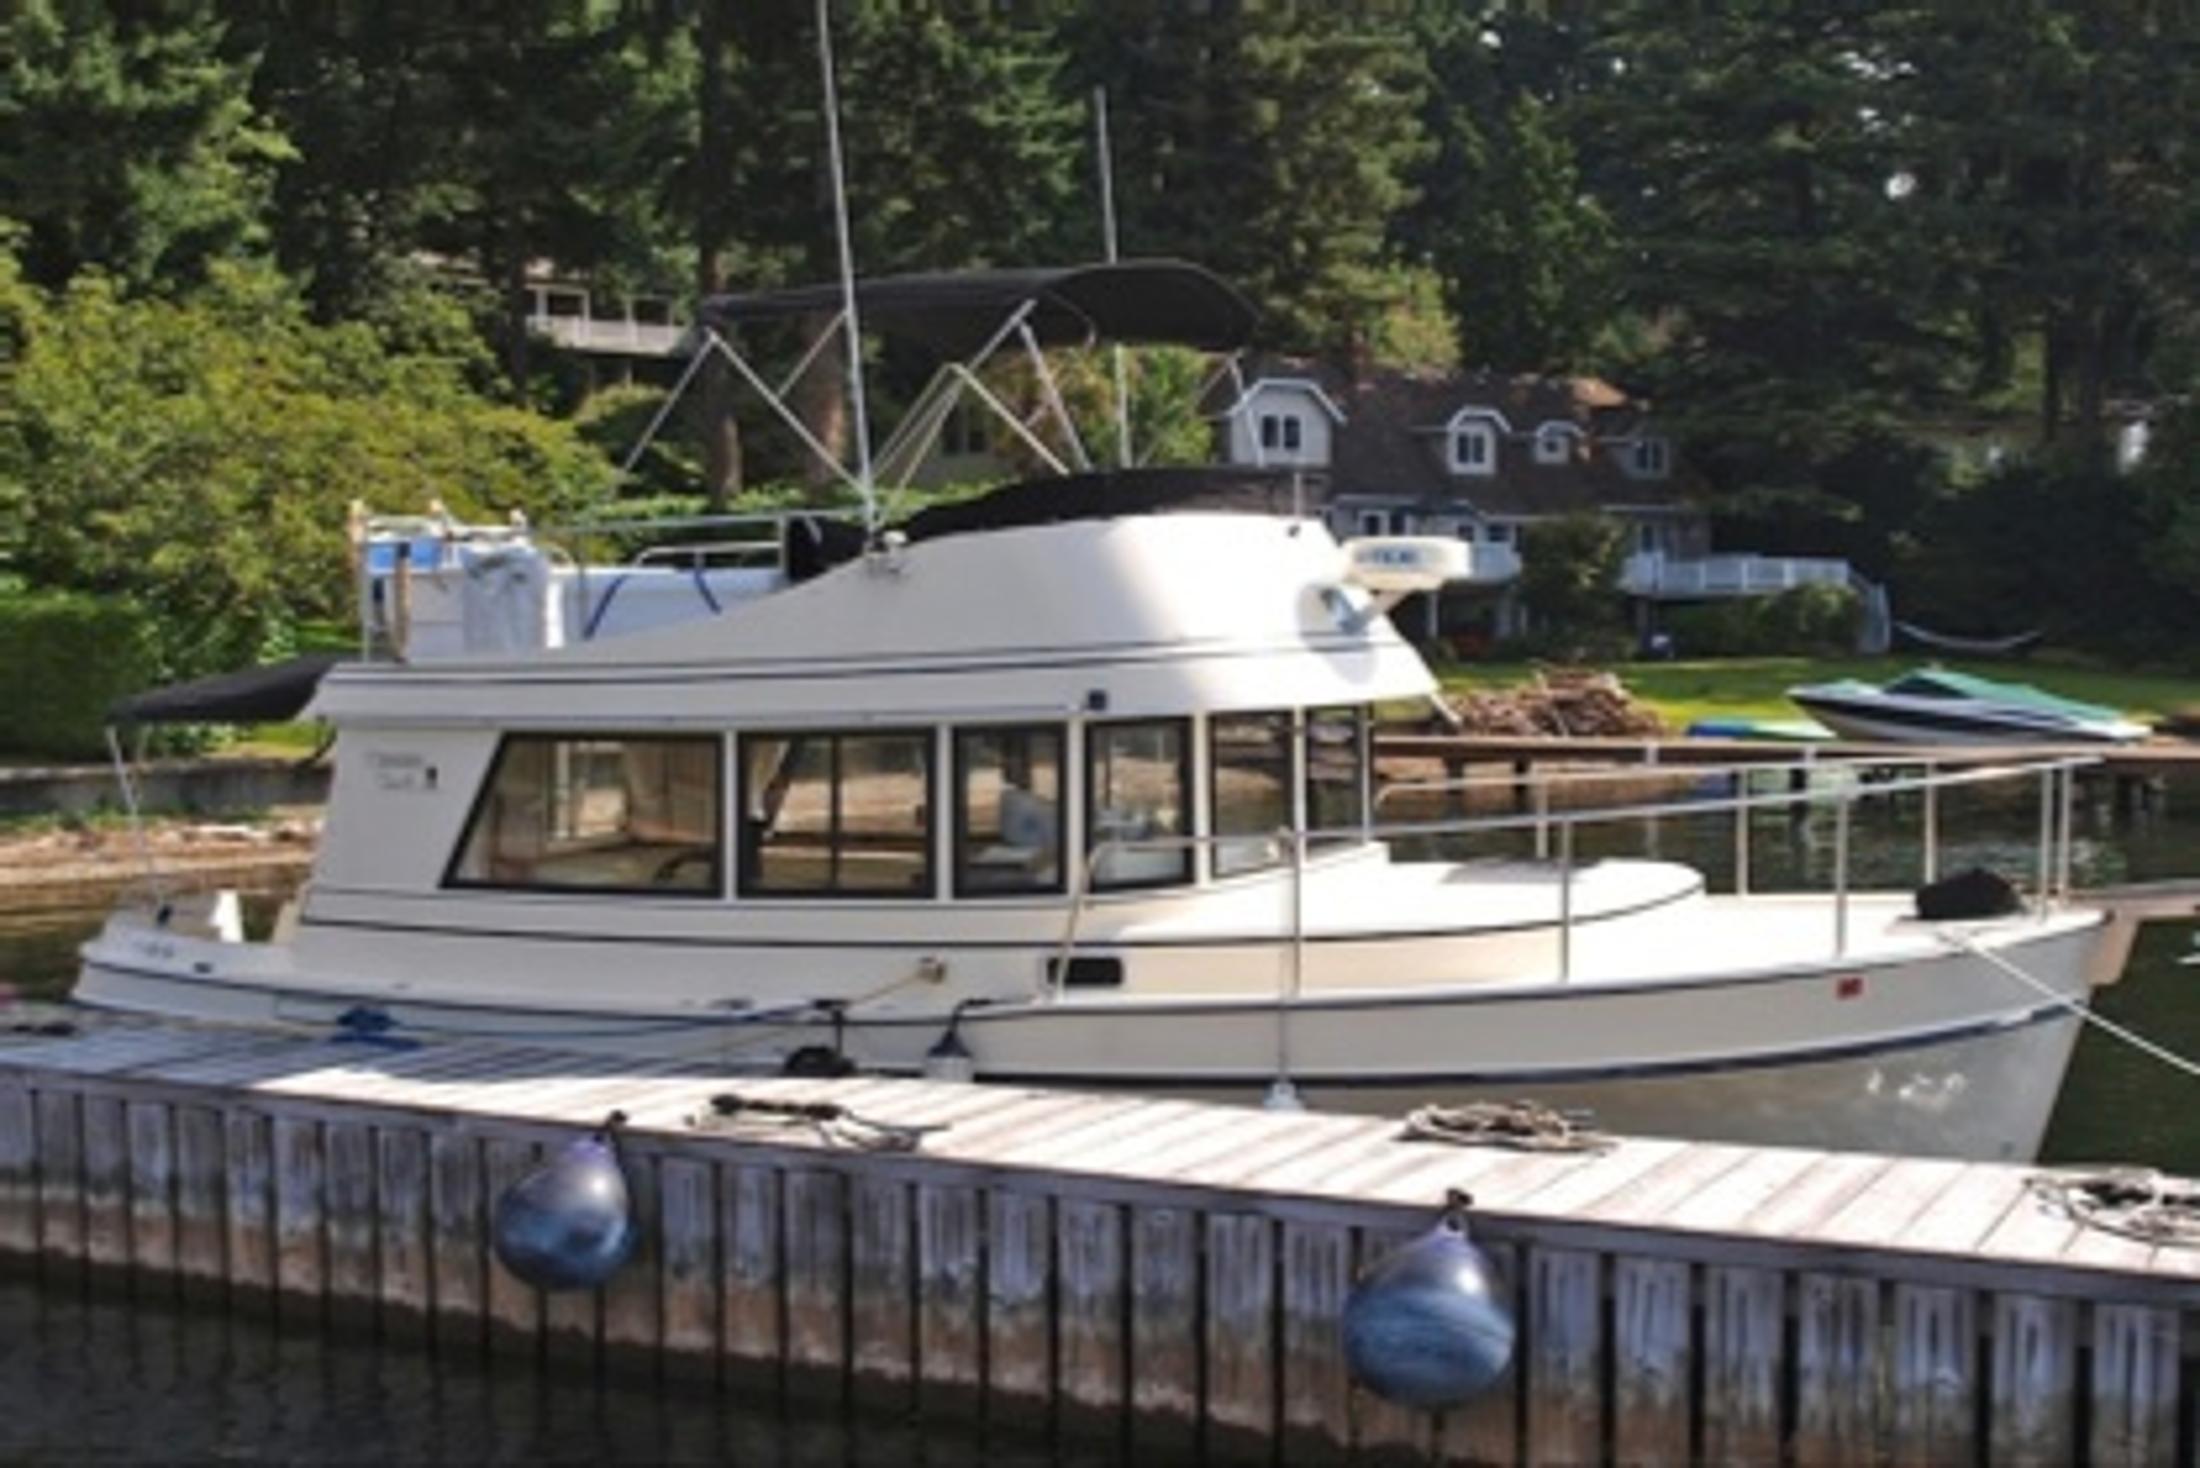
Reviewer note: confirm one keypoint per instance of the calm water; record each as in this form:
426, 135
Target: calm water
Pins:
95, 1378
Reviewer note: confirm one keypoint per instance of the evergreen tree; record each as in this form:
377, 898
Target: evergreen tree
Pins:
128, 140
1273, 143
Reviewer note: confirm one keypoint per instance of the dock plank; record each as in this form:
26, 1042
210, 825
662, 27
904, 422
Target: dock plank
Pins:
106, 1183
1091, 1299
688, 1224
1565, 1362
1019, 1278
301, 1269
457, 1229
1745, 1311
882, 1308
18, 1167
1838, 1369
2034, 1380
151, 1134
1931, 1377
1653, 1360
350, 1215
2134, 1386
950, 1266
752, 1300
60, 1175
1241, 1326
1317, 1387
1166, 1294
206, 1263
814, 1241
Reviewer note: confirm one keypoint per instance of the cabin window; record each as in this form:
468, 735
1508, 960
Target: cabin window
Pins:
837, 814
633, 814
1250, 769
1336, 771
1138, 790
1009, 813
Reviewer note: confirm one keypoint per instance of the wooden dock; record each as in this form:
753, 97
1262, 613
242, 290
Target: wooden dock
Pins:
1155, 1273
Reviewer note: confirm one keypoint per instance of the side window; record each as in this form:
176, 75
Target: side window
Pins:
837, 814
1250, 765
1291, 439
1336, 771
1137, 788
1009, 814
638, 814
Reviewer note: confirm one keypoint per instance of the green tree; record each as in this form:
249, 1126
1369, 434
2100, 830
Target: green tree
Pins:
1527, 255
198, 455
128, 140
1271, 142
1569, 574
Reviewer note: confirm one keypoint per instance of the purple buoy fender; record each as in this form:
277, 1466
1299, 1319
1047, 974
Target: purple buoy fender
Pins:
569, 1224
1427, 1326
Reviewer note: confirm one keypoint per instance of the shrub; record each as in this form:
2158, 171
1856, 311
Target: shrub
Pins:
64, 657
1803, 619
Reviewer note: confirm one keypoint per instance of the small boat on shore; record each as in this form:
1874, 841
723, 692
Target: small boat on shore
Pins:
1937, 706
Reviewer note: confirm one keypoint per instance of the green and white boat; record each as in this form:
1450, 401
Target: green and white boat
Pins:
1937, 706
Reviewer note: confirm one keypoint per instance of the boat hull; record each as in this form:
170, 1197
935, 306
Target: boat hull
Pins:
1889, 721
1937, 1052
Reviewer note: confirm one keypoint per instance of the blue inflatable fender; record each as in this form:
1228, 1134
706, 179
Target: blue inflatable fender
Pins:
569, 1224
1427, 1325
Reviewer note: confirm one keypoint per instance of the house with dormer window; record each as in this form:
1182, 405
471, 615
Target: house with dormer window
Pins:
1485, 456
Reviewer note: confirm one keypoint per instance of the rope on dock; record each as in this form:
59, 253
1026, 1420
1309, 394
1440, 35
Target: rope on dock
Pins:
835, 1125
1524, 1126
2134, 1202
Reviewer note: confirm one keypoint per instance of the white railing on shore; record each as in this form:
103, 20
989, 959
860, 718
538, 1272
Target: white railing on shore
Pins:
596, 334
1658, 575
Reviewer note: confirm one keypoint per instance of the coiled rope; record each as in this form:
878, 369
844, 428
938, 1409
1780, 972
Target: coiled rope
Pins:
834, 1124
2133, 1202
1524, 1126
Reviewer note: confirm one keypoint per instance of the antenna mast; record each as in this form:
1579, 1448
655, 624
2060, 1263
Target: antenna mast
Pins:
851, 325
1107, 240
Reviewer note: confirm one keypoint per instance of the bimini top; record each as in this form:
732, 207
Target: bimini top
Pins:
264, 695
956, 312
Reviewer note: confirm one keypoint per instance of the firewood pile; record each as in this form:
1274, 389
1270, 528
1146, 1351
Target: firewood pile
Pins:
1561, 701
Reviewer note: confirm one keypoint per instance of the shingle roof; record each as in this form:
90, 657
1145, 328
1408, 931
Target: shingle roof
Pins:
1392, 442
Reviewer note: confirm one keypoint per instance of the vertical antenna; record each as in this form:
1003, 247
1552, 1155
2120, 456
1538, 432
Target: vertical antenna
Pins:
851, 325
1107, 240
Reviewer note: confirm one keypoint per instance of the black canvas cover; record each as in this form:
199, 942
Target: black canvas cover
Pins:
955, 312
1103, 494
269, 694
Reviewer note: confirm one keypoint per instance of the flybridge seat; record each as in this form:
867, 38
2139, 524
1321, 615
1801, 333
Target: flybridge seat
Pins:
440, 589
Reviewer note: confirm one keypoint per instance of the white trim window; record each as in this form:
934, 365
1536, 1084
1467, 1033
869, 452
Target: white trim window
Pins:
1653, 458
1554, 443
1281, 433
1474, 448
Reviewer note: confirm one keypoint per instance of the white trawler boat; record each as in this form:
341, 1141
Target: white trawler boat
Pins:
1076, 776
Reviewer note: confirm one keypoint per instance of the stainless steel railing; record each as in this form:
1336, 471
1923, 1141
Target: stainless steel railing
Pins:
2057, 778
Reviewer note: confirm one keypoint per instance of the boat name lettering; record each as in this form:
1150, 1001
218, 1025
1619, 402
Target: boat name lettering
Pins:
400, 771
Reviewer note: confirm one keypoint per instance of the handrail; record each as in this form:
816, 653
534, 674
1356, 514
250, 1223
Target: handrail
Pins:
2057, 775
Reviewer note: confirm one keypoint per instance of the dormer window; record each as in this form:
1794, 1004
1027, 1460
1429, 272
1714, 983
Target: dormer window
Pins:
1474, 448
1281, 432
1653, 458
1554, 443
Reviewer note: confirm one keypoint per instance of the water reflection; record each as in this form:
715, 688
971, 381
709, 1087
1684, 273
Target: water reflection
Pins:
100, 1376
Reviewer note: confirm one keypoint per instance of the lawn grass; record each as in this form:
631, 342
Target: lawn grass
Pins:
1756, 688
